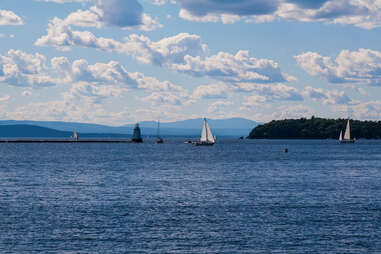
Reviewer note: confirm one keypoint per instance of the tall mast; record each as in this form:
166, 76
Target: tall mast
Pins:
158, 129
206, 130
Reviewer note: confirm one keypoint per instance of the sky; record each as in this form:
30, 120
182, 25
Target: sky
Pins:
123, 61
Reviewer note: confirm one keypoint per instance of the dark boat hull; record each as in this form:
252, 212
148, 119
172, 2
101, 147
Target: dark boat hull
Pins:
350, 141
203, 144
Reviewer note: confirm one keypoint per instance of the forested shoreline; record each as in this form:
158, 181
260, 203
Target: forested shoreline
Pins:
315, 128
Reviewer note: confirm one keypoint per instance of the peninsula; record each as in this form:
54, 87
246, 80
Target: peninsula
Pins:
315, 128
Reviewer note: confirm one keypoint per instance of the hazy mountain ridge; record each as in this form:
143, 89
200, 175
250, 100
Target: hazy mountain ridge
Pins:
191, 127
33, 131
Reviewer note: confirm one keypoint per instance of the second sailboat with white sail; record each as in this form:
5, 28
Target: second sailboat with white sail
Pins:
207, 138
347, 135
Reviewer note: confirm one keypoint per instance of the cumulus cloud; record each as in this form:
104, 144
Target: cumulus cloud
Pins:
213, 91
9, 18
361, 67
93, 94
4, 98
219, 107
292, 112
333, 97
224, 18
241, 8
96, 82
69, 1
27, 93
158, 99
370, 110
183, 53
53, 110
120, 13
361, 13
240, 67
63, 110
167, 50
22, 69
262, 93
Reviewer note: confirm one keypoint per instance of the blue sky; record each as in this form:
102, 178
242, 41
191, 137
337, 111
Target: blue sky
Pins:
121, 61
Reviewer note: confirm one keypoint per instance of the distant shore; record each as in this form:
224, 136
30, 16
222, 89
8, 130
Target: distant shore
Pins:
315, 128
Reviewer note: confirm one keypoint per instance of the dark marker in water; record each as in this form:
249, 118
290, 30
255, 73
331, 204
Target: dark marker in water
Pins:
286, 150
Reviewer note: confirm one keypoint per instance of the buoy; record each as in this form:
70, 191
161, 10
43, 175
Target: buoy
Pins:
286, 150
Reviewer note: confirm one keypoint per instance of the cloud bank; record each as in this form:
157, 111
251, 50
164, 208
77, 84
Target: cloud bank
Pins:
184, 53
359, 67
361, 13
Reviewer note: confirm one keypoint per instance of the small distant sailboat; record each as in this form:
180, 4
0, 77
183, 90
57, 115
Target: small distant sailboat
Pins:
207, 138
75, 136
159, 140
347, 135
137, 136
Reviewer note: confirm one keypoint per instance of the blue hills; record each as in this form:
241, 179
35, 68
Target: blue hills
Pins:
233, 127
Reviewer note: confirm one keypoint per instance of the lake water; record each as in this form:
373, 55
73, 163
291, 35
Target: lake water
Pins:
235, 197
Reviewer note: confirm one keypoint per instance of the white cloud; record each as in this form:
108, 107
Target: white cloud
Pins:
4, 98
183, 53
158, 99
292, 112
27, 93
21, 69
333, 97
100, 16
224, 18
213, 91
94, 82
93, 94
219, 108
362, 66
240, 67
370, 110
9, 18
262, 93
69, 1
361, 13
171, 49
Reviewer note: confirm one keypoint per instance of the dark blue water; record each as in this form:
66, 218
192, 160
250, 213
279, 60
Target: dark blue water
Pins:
235, 197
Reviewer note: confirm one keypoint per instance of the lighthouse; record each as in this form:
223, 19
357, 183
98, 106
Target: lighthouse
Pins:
137, 137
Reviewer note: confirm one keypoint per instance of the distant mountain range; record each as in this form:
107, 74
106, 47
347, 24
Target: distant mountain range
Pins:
233, 127
33, 131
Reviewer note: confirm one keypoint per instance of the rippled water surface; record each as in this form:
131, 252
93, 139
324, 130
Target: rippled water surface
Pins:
234, 197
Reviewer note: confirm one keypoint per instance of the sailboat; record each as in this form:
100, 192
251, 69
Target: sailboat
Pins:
75, 136
207, 138
159, 140
347, 135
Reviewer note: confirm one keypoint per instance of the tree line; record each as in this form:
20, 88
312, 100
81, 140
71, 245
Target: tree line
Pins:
315, 128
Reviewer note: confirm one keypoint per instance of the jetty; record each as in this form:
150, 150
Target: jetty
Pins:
136, 138
66, 141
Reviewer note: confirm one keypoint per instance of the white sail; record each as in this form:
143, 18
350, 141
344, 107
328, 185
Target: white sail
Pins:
209, 134
204, 132
341, 136
347, 135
